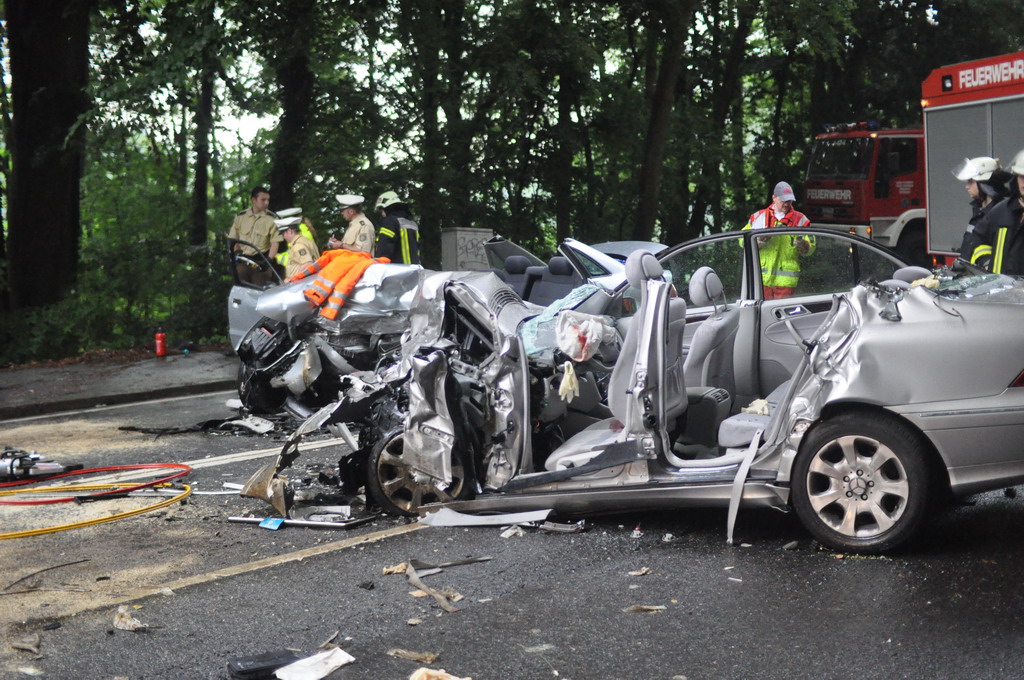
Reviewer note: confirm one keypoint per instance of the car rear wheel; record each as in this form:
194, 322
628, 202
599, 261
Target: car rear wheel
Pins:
861, 483
392, 482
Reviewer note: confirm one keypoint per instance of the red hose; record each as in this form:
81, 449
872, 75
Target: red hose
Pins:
181, 467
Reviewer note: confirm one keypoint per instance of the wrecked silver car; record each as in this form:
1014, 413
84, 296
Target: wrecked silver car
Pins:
839, 404
290, 356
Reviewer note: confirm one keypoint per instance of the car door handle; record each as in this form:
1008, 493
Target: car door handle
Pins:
789, 312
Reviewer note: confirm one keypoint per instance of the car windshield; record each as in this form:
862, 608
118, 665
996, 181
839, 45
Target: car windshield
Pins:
846, 158
984, 288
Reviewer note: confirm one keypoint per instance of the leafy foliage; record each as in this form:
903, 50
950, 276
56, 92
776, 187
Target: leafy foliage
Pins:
528, 117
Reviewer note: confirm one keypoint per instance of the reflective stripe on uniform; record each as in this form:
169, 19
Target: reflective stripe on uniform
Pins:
406, 255
386, 232
980, 252
997, 266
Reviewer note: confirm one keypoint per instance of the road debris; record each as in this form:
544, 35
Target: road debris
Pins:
260, 665
645, 608
792, 545
443, 599
125, 620
432, 674
513, 531
641, 572
278, 522
40, 571
314, 667
29, 643
29, 670
668, 538
737, 580
395, 568
445, 517
558, 528
248, 424
637, 533
415, 621
419, 657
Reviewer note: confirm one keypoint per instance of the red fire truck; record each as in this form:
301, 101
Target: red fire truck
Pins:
897, 186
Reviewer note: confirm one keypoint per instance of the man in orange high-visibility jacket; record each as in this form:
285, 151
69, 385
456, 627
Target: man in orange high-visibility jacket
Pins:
337, 272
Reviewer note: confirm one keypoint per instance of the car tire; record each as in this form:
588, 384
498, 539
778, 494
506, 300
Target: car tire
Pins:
861, 482
390, 481
256, 393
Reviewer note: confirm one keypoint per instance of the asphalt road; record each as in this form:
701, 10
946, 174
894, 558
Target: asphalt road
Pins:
544, 606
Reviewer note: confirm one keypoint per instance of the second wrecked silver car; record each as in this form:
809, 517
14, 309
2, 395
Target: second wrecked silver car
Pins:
879, 419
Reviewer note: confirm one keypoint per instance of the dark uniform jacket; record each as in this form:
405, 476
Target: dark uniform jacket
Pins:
999, 234
398, 238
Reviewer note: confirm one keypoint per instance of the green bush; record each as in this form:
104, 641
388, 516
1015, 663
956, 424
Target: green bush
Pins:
124, 293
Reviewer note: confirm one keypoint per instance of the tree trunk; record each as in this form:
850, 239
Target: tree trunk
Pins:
200, 191
49, 52
565, 137
675, 18
296, 81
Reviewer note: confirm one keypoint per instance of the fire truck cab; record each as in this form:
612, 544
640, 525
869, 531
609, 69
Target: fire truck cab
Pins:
870, 181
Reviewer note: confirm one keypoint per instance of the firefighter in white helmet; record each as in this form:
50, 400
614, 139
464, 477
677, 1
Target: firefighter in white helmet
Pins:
398, 236
985, 183
999, 233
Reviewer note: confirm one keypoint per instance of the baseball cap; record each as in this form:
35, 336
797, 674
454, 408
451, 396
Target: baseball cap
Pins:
784, 192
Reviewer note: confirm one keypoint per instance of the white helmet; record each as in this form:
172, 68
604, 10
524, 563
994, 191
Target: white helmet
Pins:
1017, 164
387, 199
977, 169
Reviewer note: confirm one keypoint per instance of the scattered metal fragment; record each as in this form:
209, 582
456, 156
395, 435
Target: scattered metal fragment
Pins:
668, 538
29, 643
314, 667
737, 580
420, 657
420, 565
641, 572
792, 545
645, 608
347, 524
441, 598
29, 670
445, 517
559, 528
514, 530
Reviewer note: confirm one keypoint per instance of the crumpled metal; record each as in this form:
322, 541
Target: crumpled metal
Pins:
430, 430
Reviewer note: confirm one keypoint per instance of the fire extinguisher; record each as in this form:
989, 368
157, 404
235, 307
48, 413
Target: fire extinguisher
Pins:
161, 342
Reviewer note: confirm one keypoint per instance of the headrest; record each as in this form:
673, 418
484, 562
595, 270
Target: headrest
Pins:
516, 264
559, 266
642, 266
911, 274
896, 284
705, 287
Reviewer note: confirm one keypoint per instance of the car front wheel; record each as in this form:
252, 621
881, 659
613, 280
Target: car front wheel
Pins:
395, 486
860, 483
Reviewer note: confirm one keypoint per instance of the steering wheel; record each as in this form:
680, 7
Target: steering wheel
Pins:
251, 263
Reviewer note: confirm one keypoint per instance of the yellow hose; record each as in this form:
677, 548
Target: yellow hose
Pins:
90, 522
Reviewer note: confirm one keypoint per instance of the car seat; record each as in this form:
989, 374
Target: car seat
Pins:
709, 359
516, 275
556, 280
647, 388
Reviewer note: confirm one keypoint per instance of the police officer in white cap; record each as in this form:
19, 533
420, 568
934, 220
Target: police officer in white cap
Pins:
359, 235
301, 251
